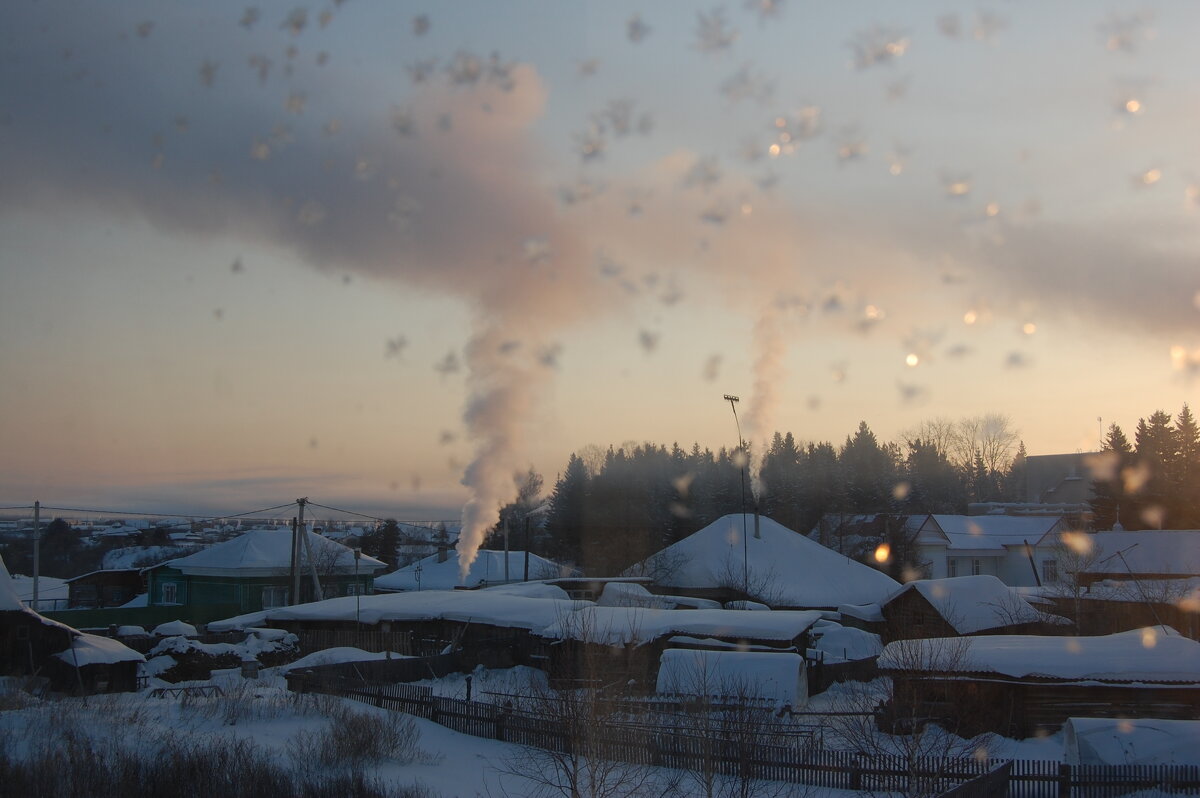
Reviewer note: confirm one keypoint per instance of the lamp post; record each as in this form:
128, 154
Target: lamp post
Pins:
733, 400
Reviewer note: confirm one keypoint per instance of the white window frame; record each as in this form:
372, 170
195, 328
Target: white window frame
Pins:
170, 593
355, 589
1049, 570
976, 567
278, 594
951, 566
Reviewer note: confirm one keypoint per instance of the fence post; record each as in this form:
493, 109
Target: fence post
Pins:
1064, 780
501, 718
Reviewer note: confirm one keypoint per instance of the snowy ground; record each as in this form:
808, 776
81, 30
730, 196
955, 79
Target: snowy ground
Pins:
263, 712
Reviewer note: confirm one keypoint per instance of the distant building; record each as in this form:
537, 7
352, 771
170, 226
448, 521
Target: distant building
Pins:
111, 588
441, 571
1019, 550
1058, 478
253, 572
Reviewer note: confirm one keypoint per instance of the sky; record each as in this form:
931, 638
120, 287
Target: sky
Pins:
387, 254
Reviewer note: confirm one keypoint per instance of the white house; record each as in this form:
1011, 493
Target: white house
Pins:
999, 545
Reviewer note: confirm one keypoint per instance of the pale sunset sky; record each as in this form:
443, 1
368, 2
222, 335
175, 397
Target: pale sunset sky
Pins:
383, 254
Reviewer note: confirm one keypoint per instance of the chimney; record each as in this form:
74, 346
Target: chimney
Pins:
443, 552
757, 533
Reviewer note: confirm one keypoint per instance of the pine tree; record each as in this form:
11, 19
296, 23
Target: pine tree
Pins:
1155, 447
1110, 501
565, 521
1184, 504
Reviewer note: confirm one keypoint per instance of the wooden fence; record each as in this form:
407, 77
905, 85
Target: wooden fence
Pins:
796, 764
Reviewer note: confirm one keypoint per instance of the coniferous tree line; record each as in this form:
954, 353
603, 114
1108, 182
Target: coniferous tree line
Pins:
1152, 482
607, 513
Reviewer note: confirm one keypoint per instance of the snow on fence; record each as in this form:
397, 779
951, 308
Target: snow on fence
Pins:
845, 770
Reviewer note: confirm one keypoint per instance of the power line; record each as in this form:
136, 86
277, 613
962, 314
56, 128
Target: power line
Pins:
193, 518
21, 507
347, 512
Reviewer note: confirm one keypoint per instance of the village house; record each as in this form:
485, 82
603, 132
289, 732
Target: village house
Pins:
70, 661
441, 571
1017, 685
108, 588
963, 605
752, 557
1018, 550
253, 571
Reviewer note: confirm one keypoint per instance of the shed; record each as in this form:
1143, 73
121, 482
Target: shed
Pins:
776, 680
1131, 741
962, 605
107, 588
1018, 684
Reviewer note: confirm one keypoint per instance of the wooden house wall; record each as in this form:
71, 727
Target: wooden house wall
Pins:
28, 642
911, 616
1022, 708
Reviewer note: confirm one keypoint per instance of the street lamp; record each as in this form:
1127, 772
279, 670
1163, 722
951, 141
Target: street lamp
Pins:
733, 400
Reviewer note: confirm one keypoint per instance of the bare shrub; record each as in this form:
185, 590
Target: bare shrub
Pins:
357, 739
584, 761
920, 725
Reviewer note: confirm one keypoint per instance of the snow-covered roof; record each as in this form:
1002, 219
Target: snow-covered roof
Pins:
777, 678
786, 569
89, 649
631, 594
338, 655
635, 625
492, 606
1139, 655
49, 587
863, 612
9, 600
1182, 592
839, 643
973, 603
979, 532
266, 552
1131, 741
1173, 552
488, 568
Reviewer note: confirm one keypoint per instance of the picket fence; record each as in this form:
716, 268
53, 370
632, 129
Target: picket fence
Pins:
796, 764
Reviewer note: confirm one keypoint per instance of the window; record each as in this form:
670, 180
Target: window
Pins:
170, 593
976, 567
354, 589
952, 566
1049, 571
274, 596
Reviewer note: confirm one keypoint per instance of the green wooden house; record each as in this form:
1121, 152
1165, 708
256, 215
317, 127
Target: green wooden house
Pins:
252, 572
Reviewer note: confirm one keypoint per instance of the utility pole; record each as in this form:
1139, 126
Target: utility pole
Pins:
293, 578
733, 400
37, 550
506, 551
318, 595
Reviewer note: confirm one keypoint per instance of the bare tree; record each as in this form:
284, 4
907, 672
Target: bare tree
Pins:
913, 719
584, 763
726, 720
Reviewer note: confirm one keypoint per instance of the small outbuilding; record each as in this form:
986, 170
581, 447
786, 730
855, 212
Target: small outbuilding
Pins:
962, 605
71, 661
749, 678
1016, 685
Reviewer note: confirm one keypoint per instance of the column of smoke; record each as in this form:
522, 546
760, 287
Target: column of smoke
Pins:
502, 395
769, 373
